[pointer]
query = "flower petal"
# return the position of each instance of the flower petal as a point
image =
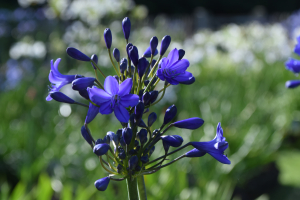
(180, 65)
(173, 56)
(163, 63)
(92, 113)
(125, 87)
(220, 157)
(183, 77)
(129, 100)
(106, 108)
(98, 96)
(111, 85)
(122, 114)
(160, 74)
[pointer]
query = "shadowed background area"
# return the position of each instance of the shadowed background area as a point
(236, 51)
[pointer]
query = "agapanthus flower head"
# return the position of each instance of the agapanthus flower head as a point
(57, 79)
(173, 70)
(165, 42)
(191, 123)
(114, 98)
(215, 147)
(126, 25)
(297, 47)
(76, 54)
(61, 97)
(101, 149)
(107, 37)
(102, 183)
(292, 83)
(293, 65)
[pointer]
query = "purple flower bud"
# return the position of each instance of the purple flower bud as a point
(106, 139)
(191, 123)
(127, 48)
(99, 141)
(146, 98)
(153, 95)
(95, 59)
(146, 82)
(189, 82)
(142, 124)
(101, 149)
(127, 135)
(142, 65)
(133, 162)
(288, 84)
(181, 53)
(126, 25)
(82, 83)
(151, 119)
(152, 63)
(123, 65)
(142, 135)
(166, 146)
(145, 159)
(84, 94)
(170, 114)
(134, 55)
(195, 153)
(102, 183)
(147, 53)
(61, 97)
(107, 38)
(92, 113)
(122, 154)
(165, 42)
(116, 54)
(111, 135)
(76, 54)
(85, 134)
(153, 45)
(151, 150)
(172, 140)
(139, 111)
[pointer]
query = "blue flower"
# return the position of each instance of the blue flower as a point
(215, 147)
(174, 70)
(297, 47)
(114, 98)
(293, 65)
(57, 79)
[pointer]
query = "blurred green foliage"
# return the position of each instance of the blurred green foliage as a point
(43, 155)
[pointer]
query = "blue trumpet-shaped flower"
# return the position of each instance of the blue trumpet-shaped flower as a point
(215, 147)
(102, 183)
(293, 65)
(57, 79)
(174, 70)
(114, 98)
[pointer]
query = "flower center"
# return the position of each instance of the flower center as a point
(115, 101)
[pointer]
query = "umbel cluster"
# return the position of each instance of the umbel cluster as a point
(130, 94)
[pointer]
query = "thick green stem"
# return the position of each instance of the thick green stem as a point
(142, 188)
(132, 189)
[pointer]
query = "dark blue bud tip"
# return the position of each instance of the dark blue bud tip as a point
(153, 44)
(181, 53)
(170, 114)
(165, 42)
(126, 25)
(102, 183)
(116, 54)
(76, 54)
(95, 59)
(107, 38)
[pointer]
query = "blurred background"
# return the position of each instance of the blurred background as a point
(237, 51)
